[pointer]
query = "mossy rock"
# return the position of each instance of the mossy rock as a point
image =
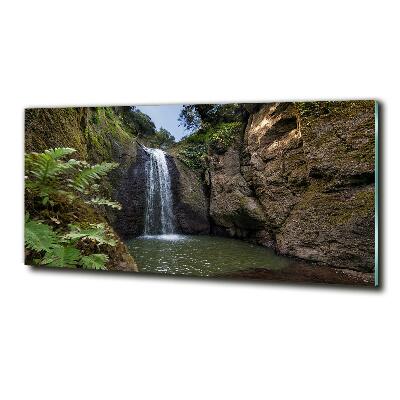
(338, 138)
(332, 228)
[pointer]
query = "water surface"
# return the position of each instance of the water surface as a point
(201, 255)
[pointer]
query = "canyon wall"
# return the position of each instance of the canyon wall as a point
(190, 199)
(301, 180)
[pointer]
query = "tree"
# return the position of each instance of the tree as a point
(197, 116)
(162, 139)
(140, 123)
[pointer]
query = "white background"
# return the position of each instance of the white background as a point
(87, 336)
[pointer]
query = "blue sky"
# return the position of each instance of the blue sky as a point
(166, 116)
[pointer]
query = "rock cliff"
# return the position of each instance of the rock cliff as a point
(301, 180)
(190, 200)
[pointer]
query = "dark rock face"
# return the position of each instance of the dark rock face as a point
(302, 181)
(234, 209)
(274, 161)
(333, 222)
(130, 190)
(333, 228)
(190, 201)
(129, 183)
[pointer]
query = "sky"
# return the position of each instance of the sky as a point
(166, 116)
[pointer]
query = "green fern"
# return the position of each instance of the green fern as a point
(89, 175)
(40, 237)
(59, 251)
(96, 233)
(106, 202)
(94, 261)
(49, 177)
(59, 152)
(47, 165)
(62, 257)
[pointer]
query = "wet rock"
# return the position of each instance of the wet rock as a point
(233, 207)
(190, 201)
(130, 190)
(301, 180)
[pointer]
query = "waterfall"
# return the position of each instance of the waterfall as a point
(159, 217)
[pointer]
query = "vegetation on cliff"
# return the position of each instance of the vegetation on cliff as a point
(52, 184)
(143, 128)
(99, 136)
(214, 128)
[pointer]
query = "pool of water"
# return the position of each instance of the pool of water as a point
(201, 255)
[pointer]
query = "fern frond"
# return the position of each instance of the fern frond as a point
(94, 261)
(90, 174)
(62, 257)
(96, 233)
(74, 163)
(43, 167)
(39, 236)
(59, 152)
(105, 202)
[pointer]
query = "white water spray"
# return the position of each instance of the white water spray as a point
(159, 217)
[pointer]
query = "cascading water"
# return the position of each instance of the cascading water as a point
(159, 217)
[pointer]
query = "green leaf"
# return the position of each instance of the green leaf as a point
(62, 257)
(59, 152)
(94, 261)
(39, 236)
(96, 233)
(106, 202)
(89, 175)
(45, 166)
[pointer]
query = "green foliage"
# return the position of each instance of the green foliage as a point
(61, 256)
(193, 149)
(195, 116)
(222, 136)
(57, 249)
(44, 169)
(49, 176)
(95, 233)
(94, 261)
(90, 174)
(39, 236)
(215, 127)
(190, 117)
(105, 202)
(161, 139)
(139, 123)
(193, 155)
(109, 112)
(95, 117)
(51, 180)
(198, 137)
(59, 152)
(317, 109)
